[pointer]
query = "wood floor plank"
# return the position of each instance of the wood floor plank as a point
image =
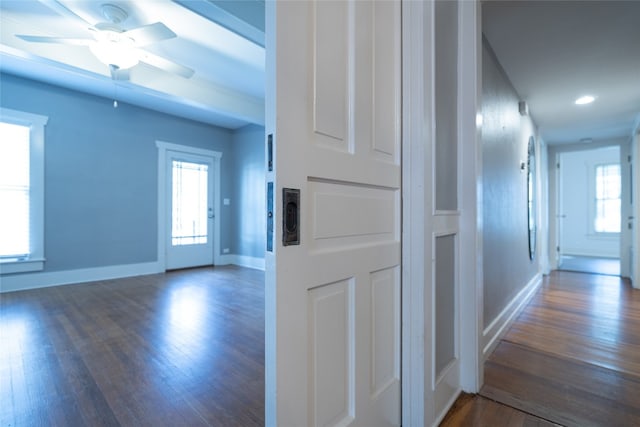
(478, 411)
(567, 392)
(573, 355)
(185, 348)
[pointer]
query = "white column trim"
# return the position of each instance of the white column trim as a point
(469, 131)
(413, 212)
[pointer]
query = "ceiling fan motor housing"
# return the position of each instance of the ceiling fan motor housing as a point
(114, 13)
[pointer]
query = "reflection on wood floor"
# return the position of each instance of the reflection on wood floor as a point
(184, 348)
(594, 265)
(573, 355)
(572, 358)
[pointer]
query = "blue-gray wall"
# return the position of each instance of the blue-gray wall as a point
(249, 224)
(101, 166)
(505, 135)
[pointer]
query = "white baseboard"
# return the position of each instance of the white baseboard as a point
(591, 254)
(45, 279)
(225, 260)
(243, 261)
(19, 282)
(492, 333)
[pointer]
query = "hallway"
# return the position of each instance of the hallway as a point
(573, 355)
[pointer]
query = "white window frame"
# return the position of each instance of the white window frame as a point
(594, 206)
(36, 123)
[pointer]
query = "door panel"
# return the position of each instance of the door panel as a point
(445, 215)
(333, 302)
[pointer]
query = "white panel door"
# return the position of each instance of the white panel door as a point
(333, 301)
(189, 228)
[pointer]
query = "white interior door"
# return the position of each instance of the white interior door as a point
(190, 210)
(333, 300)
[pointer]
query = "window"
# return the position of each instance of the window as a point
(21, 191)
(608, 204)
(190, 202)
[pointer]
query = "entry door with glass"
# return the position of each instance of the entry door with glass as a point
(190, 210)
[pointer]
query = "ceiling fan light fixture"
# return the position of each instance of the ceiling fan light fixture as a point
(583, 100)
(112, 49)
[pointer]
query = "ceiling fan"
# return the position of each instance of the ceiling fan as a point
(115, 47)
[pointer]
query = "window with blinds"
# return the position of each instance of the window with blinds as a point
(608, 202)
(14, 191)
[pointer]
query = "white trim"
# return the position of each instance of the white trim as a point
(248, 262)
(68, 277)
(470, 271)
(163, 148)
(188, 149)
(414, 153)
(10, 267)
(242, 261)
(635, 251)
(226, 259)
(499, 325)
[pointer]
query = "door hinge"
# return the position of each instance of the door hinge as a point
(558, 248)
(558, 165)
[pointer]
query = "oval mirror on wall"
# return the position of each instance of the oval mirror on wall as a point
(531, 196)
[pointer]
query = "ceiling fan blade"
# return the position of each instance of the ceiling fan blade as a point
(65, 11)
(165, 64)
(59, 40)
(148, 34)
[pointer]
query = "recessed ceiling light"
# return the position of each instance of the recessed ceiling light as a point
(587, 99)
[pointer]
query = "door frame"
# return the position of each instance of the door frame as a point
(635, 239)
(215, 156)
(417, 104)
(556, 159)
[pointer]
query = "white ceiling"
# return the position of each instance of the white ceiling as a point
(552, 51)
(556, 51)
(221, 40)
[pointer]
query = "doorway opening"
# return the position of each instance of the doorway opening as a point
(589, 210)
(188, 203)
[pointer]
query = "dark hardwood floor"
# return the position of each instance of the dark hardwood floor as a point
(572, 356)
(477, 411)
(185, 348)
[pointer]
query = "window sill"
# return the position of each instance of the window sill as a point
(11, 266)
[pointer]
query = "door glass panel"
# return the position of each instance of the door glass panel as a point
(189, 203)
(446, 106)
